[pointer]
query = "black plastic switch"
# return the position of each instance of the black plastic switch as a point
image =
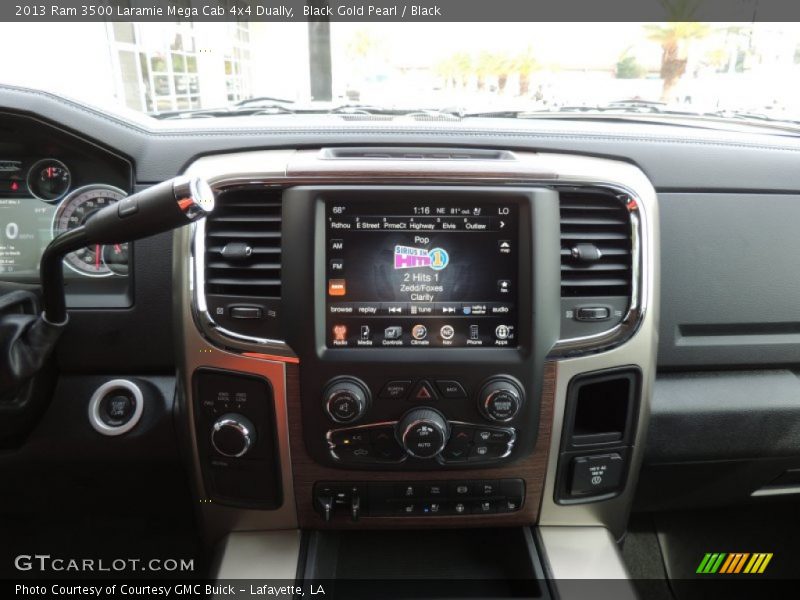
(595, 475)
(592, 313)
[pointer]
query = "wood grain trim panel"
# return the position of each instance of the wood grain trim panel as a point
(306, 472)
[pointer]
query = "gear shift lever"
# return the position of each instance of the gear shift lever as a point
(157, 209)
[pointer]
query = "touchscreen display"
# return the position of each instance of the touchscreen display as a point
(417, 274)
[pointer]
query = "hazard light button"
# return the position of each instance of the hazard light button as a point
(423, 392)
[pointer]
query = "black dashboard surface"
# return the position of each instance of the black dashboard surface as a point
(729, 321)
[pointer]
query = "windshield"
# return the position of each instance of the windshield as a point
(168, 69)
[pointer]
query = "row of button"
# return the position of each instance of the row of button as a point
(428, 498)
(423, 390)
(429, 309)
(378, 443)
(474, 507)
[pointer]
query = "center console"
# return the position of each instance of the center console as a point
(388, 338)
(429, 331)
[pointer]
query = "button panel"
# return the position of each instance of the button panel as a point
(379, 443)
(419, 498)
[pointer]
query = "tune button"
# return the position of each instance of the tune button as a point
(500, 399)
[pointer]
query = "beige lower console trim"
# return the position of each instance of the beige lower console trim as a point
(260, 555)
(575, 558)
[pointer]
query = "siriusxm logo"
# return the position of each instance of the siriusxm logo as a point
(411, 258)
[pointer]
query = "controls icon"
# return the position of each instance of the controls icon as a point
(447, 332)
(419, 332)
(395, 332)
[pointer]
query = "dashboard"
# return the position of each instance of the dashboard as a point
(50, 183)
(393, 326)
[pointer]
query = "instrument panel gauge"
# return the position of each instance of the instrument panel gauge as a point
(49, 179)
(96, 260)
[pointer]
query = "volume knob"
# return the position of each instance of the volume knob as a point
(346, 399)
(423, 432)
(233, 435)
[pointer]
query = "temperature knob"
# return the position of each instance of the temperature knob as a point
(423, 432)
(346, 399)
(500, 399)
(233, 435)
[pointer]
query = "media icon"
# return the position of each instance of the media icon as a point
(366, 334)
(447, 332)
(340, 333)
(419, 332)
(395, 332)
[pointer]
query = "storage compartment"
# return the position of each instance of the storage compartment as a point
(600, 408)
(497, 564)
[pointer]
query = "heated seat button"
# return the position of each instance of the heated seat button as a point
(395, 390)
(594, 475)
(451, 389)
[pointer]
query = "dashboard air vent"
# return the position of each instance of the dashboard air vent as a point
(243, 245)
(595, 244)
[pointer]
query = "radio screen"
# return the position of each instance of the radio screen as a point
(411, 274)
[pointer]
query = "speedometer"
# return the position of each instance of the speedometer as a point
(73, 212)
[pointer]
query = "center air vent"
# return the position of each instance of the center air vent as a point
(243, 245)
(595, 244)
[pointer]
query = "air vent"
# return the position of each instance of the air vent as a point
(595, 244)
(243, 245)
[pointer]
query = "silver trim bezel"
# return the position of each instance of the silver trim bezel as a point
(101, 426)
(314, 167)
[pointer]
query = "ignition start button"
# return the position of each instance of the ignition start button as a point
(116, 407)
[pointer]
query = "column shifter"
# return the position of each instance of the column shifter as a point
(157, 209)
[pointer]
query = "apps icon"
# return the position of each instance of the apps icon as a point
(502, 332)
(395, 332)
(447, 332)
(419, 332)
(340, 333)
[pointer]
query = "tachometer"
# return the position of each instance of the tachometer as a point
(49, 179)
(73, 212)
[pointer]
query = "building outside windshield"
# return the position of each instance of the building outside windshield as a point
(161, 68)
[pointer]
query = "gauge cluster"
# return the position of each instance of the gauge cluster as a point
(53, 182)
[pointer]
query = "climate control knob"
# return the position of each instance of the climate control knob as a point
(423, 432)
(500, 399)
(233, 435)
(346, 399)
